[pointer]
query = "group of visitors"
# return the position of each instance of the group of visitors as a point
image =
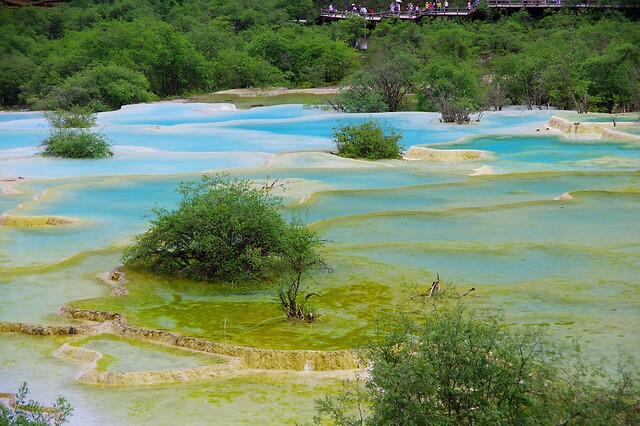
(358, 10)
(396, 8)
(428, 7)
(416, 10)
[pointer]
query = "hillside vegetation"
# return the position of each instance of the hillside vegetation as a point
(104, 54)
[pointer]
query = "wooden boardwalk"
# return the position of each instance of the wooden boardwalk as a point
(453, 11)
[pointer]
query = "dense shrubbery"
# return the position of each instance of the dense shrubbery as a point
(71, 143)
(382, 85)
(78, 118)
(99, 88)
(70, 137)
(222, 229)
(59, 58)
(368, 140)
(455, 366)
(226, 230)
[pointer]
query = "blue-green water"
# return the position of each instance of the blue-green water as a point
(549, 235)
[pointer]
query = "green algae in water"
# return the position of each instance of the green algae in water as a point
(350, 298)
(125, 355)
(244, 102)
(521, 243)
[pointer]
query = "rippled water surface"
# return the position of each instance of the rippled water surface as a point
(543, 227)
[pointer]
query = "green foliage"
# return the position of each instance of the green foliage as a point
(109, 53)
(239, 69)
(222, 229)
(382, 85)
(351, 30)
(368, 140)
(70, 137)
(300, 259)
(77, 118)
(456, 366)
(452, 88)
(361, 95)
(76, 144)
(15, 70)
(350, 407)
(23, 412)
(100, 88)
(304, 56)
(298, 9)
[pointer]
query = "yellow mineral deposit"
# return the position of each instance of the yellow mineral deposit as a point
(34, 221)
(450, 155)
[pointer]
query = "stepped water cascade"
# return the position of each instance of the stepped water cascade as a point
(536, 212)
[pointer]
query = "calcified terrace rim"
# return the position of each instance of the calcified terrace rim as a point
(604, 129)
(91, 375)
(241, 357)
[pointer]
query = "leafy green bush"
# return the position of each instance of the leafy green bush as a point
(362, 96)
(367, 140)
(100, 88)
(450, 88)
(74, 143)
(455, 366)
(70, 137)
(223, 229)
(77, 118)
(300, 258)
(382, 84)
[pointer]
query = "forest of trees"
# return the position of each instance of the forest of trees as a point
(102, 54)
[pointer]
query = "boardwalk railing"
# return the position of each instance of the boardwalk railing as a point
(461, 11)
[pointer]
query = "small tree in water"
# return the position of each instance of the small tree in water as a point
(71, 138)
(368, 140)
(301, 260)
(229, 231)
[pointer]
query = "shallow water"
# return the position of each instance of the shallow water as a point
(595, 117)
(122, 355)
(550, 236)
(254, 399)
